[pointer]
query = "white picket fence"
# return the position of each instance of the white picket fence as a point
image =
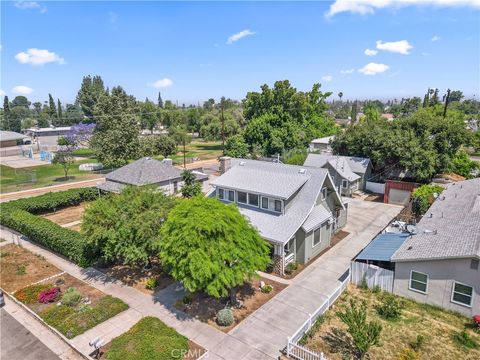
(373, 275)
(299, 352)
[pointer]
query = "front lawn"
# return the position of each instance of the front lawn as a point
(420, 332)
(150, 339)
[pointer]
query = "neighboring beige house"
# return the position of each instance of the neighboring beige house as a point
(348, 173)
(295, 208)
(321, 144)
(12, 138)
(147, 171)
(440, 265)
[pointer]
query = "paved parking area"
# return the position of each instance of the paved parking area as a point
(267, 329)
(19, 343)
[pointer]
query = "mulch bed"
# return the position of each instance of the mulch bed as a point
(205, 308)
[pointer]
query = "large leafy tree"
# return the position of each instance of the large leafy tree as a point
(124, 228)
(65, 158)
(191, 187)
(211, 247)
(235, 146)
(115, 138)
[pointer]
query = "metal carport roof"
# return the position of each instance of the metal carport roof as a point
(383, 247)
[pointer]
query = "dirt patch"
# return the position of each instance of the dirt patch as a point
(67, 215)
(374, 198)
(20, 268)
(137, 276)
(205, 308)
(434, 324)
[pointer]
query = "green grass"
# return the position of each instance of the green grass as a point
(203, 150)
(84, 152)
(45, 175)
(148, 339)
(72, 321)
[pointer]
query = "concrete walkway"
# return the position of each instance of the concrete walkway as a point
(267, 329)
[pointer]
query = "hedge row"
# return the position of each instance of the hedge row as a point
(18, 215)
(54, 200)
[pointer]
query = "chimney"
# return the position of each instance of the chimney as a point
(167, 161)
(225, 164)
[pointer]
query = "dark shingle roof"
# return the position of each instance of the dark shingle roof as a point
(144, 171)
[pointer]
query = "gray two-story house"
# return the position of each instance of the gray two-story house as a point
(295, 208)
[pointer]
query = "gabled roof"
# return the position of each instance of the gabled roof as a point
(11, 135)
(357, 164)
(279, 179)
(342, 167)
(383, 247)
(450, 228)
(319, 215)
(144, 171)
(258, 177)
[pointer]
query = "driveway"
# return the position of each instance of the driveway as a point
(267, 329)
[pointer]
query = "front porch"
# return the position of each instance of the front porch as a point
(282, 255)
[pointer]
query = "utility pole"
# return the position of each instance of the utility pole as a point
(446, 103)
(223, 124)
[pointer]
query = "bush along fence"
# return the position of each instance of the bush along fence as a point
(19, 215)
(294, 348)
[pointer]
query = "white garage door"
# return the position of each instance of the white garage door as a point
(398, 197)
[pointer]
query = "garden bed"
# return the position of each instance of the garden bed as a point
(435, 326)
(137, 276)
(19, 268)
(149, 339)
(67, 215)
(28, 275)
(205, 308)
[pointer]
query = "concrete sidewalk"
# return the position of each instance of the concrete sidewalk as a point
(267, 329)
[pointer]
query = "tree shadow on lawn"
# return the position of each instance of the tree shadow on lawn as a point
(63, 178)
(338, 341)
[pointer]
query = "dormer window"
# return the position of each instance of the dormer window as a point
(264, 202)
(278, 206)
(253, 199)
(242, 197)
(220, 193)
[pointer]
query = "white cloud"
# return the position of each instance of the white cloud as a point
(327, 78)
(239, 35)
(370, 52)
(162, 83)
(373, 69)
(28, 5)
(435, 38)
(399, 47)
(2, 93)
(364, 7)
(22, 90)
(347, 71)
(36, 56)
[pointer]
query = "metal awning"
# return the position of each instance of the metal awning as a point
(383, 247)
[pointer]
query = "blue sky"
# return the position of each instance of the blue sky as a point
(182, 48)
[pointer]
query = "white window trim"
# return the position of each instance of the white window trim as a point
(410, 282)
(324, 193)
(313, 237)
(344, 182)
(460, 303)
(261, 202)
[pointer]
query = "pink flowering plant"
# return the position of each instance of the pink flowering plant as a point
(49, 295)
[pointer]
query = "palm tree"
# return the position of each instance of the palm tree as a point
(340, 94)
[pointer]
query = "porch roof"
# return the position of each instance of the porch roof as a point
(319, 215)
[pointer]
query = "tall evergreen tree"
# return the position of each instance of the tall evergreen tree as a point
(115, 139)
(160, 100)
(52, 110)
(354, 112)
(61, 120)
(6, 114)
(91, 90)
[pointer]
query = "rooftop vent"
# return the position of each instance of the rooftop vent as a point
(242, 163)
(302, 171)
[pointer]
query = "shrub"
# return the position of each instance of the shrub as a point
(29, 294)
(266, 289)
(225, 317)
(71, 321)
(418, 344)
(291, 267)
(423, 198)
(71, 297)
(313, 330)
(364, 284)
(21, 269)
(376, 289)
(151, 283)
(49, 295)
(187, 299)
(390, 307)
(464, 339)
